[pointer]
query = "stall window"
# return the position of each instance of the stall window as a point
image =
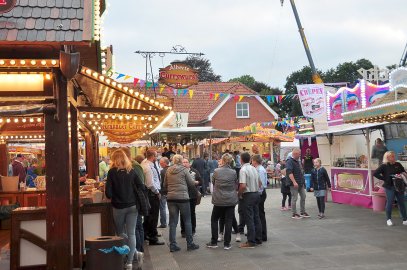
(242, 110)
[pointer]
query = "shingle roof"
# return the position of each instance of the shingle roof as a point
(200, 106)
(43, 21)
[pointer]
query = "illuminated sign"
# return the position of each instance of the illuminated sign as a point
(351, 181)
(21, 82)
(178, 75)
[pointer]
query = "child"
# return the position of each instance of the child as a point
(285, 190)
(319, 184)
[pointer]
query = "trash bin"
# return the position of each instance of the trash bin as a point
(307, 181)
(98, 256)
(378, 201)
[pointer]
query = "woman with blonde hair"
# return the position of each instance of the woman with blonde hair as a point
(387, 172)
(319, 184)
(177, 183)
(121, 181)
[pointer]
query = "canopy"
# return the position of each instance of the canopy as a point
(345, 129)
(262, 134)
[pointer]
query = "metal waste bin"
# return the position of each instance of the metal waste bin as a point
(98, 260)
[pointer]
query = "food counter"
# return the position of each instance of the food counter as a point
(33, 198)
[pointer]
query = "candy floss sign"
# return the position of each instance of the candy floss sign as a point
(312, 98)
(178, 75)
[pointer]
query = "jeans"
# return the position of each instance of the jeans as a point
(285, 195)
(234, 224)
(163, 210)
(294, 192)
(139, 234)
(391, 193)
(222, 211)
(262, 215)
(240, 210)
(251, 215)
(321, 204)
(126, 219)
(151, 221)
(174, 209)
(192, 204)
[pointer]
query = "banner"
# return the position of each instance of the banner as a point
(313, 99)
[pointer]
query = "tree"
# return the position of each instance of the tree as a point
(347, 72)
(247, 80)
(205, 71)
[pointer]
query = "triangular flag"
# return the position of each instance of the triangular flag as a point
(236, 97)
(142, 83)
(179, 92)
(169, 90)
(185, 91)
(210, 95)
(191, 93)
(155, 85)
(269, 99)
(221, 95)
(174, 91)
(135, 81)
(149, 84)
(240, 98)
(119, 76)
(216, 96)
(282, 97)
(127, 77)
(162, 87)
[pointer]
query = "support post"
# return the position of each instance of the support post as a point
(369, 163)
(271, 143)
(58, 181)
(91, 164)
(4, 161)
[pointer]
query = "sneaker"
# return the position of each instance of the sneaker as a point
(227, 247)
(175, 249)
(390, 223)
(247, 245)
(162, 226)
(129, 266)
(211, 245)
(289, 207)
(322, 216)
(305, 214)
(220, 237)
(140, 257)
(404, 222)
(296, 216)
(284, 208)
(192, 247)
(238, 238)
(259, 243)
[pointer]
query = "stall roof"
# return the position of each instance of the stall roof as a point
(345, 129)
(196, 132)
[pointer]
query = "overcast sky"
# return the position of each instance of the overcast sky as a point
(256, 37)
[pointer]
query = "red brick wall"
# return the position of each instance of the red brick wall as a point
(225, 118)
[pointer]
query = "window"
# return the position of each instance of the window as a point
(242, 110)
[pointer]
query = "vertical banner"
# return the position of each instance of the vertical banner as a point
(313, 99)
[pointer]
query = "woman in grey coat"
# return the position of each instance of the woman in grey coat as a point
(224, 200)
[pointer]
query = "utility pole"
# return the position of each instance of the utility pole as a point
(315, 76)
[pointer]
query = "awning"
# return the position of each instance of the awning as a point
(345, 129)
(392, 107)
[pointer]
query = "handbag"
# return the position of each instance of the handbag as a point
(399, 184)
(198, 197)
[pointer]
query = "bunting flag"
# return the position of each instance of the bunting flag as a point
(240, 98)
(135, 81)
(179, 92)
(211, 95)
(184, 92)
(149, 84)
(126, 77)
(191, 93)
(142, 83)
(174, 91)
(120, 76)
(169, 89)
(236, 98)
(268, 99)
(162, 87)
(216, 96)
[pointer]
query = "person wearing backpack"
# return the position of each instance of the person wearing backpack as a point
(387, 172)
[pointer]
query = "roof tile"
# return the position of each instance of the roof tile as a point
(69, 35)
(36, 12)
(45, 13)
(39, 24)
(22, 35)
(17, 12)
(11, 23)
(20, 24)
(23, 3)
(50, 35)
(51, 3)
(30, 23)
(3, 33)
(67, 3)
(33, 3)
(59, 3)
(32, 35)
(59, 36)
(41, 35)
(76, 3)
(27, 12)
(12, 35)
(49, 24)
(71, 13)
(42, 3)
(66, 24)
(58, 24)
(3, 24)
(75, 24)
(78, 35)
(54, 13)
(63, 13)
(8, 14)
(79, 13)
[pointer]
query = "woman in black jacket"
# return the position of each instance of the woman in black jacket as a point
(386, 172)
(319, 184)
(121, 180)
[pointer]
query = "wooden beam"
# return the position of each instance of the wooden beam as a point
(3, 159)
(91, 160)
(58, 178)
(122, 111)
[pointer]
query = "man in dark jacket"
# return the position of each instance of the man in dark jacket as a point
(164, 163)
(200, 165)
(192, 196)
(18, 168)
(296, 175)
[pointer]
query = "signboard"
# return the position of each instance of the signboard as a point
(178, 75)
(6, 5)
(22, 128)
(398, 78)
(350, 180)
(374, 74)
(312, 99)
(122, 131)
(21, 82)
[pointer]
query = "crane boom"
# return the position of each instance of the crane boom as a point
(315, 76)
(403, 59)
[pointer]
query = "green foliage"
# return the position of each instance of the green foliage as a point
(247, 80)
(206, 73)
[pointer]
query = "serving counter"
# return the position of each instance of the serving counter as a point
(33, 198)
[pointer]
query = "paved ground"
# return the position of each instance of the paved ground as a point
(349, 238)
